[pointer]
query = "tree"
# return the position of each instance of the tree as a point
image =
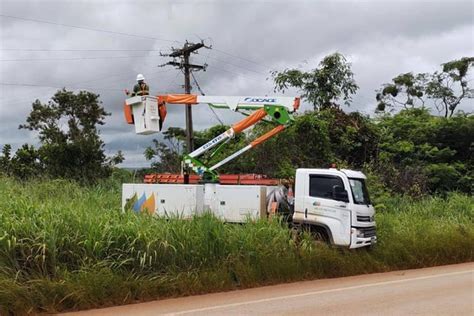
(166, 155)
(24, 165)
(5, 159)
(420, 152)
(446, 89)
(70, 143)
(449, 87)
(406, 90)
(323, 86)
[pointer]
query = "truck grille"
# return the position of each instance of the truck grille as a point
(362, 218)
(368, 231)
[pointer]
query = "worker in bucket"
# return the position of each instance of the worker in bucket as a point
(141, 88)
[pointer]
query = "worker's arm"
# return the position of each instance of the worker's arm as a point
(144, 89)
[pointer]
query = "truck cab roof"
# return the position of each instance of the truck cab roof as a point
(348, 172)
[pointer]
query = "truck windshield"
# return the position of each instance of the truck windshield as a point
(359, 191)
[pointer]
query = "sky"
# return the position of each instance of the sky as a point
(101, 46)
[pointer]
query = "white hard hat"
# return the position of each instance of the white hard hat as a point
(140, 77)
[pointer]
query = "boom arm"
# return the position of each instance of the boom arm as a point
(280, 110)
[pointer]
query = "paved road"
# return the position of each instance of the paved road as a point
(446, 290)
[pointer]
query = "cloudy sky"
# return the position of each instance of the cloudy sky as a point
(101, 46)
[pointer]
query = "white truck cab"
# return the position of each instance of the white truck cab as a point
(336, 201)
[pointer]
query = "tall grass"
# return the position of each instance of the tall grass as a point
(65, 247)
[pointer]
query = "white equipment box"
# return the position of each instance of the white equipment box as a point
(240, 203)
(231, 203)
(183, 200)
(145, 114)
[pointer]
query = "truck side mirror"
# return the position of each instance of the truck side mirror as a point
(339, 194)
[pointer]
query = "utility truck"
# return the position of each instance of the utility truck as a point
(330, 203)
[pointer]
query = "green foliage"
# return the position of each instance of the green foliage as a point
(422, 153)
(324, 86)
(25, 164)
(458, 68)
(5, 158)
(223, 150)
(63, 246)
(166, 155)
(75, 152)
(449, 87)
(315, 139)
(446, 88)
(406, 90)
(411, 152)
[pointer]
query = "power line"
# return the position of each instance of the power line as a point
(202, 93)
(235, 65)
(197, 84)
(230, 71)
(47, 86)
(87, 28)
(78, 50)
(242, 58)
(7, 100)
(124, 34)
(75, 58)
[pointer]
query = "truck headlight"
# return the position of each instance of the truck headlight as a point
(359, 233)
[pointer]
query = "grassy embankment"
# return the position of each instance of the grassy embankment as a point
(66, 247)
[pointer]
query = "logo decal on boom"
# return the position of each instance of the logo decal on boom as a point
(260, 100)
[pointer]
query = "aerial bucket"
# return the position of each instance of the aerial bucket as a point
(147, 113)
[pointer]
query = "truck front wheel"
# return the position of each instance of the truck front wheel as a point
(318, 233)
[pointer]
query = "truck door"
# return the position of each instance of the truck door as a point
(321, 207)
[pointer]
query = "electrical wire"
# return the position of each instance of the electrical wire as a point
(75, 58)
(78, 50)
(202, 93)
(9, 100)
(226, 62)
(48, 86)
(87, 28)
(230, 71)
(116, 57)
(125, 34)
(242, 58)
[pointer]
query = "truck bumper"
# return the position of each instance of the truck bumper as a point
(362, 237)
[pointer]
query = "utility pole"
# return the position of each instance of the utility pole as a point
(183, 54)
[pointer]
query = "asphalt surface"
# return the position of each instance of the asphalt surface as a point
(445, 290)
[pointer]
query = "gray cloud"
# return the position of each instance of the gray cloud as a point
(380, 38)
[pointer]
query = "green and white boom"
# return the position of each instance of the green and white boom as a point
(147, 113)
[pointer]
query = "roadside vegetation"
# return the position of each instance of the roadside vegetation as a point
(64, 246)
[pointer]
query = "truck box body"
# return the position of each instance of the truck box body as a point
(183, 200)
(239, 203)
(231, 203)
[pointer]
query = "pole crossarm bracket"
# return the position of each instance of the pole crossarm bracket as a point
(191, 66)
